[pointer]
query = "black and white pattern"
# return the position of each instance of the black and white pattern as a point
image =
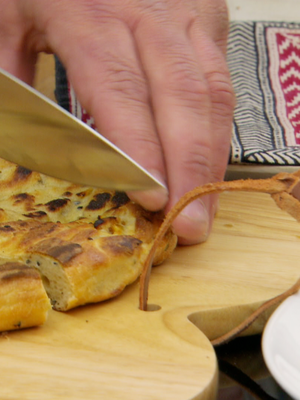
(258, 134)
(263, 131)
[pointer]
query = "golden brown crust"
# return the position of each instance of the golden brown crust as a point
(23, 300)
(95, 267)
(23, 197)
(15, 270)
(88, 244)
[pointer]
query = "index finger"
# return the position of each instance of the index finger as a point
(104, 70)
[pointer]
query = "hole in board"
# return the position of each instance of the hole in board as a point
(153, 307)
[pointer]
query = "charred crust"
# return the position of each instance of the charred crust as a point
(99, 201)
(129, 243)
(6, 228)
(21, 224)
(81, 194)
(35, 214)
(65, 252)
(55, 205)
(15, 270)
(59, 249)
(67, 194)
(44, 228)
(120, 199)
(22, 197)
(98, 222)
(16, 275)
(122, 244)
(21, 173)
(13, 265)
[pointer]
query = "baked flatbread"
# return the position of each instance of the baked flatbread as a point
(84, 244)
(23, 301)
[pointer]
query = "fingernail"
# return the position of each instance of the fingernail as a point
(154, 199)
(158, 176)
(192, 225)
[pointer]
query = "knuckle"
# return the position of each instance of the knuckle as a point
(221, 90)
(152, 8)
(184, 82)
(116, 73)
(196, 160)
(126, 80)
(147, 144)
(147, 141)
(213, 17)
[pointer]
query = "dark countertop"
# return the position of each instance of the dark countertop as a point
(243, 372)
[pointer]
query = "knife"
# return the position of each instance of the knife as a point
(38, 134)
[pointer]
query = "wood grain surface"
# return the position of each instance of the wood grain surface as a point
(114, 350)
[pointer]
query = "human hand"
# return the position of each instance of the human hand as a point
(153, 75)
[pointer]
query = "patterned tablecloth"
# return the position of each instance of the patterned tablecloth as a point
(264, 61)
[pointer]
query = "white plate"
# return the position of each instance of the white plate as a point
(281, 345)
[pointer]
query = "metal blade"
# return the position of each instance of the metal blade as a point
(38, 134)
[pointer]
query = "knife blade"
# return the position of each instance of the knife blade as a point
(38, 134)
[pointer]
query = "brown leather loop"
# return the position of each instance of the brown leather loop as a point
(282, 187)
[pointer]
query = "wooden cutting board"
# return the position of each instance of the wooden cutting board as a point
(115, 351)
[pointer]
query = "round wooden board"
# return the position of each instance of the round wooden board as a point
(115, 351)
